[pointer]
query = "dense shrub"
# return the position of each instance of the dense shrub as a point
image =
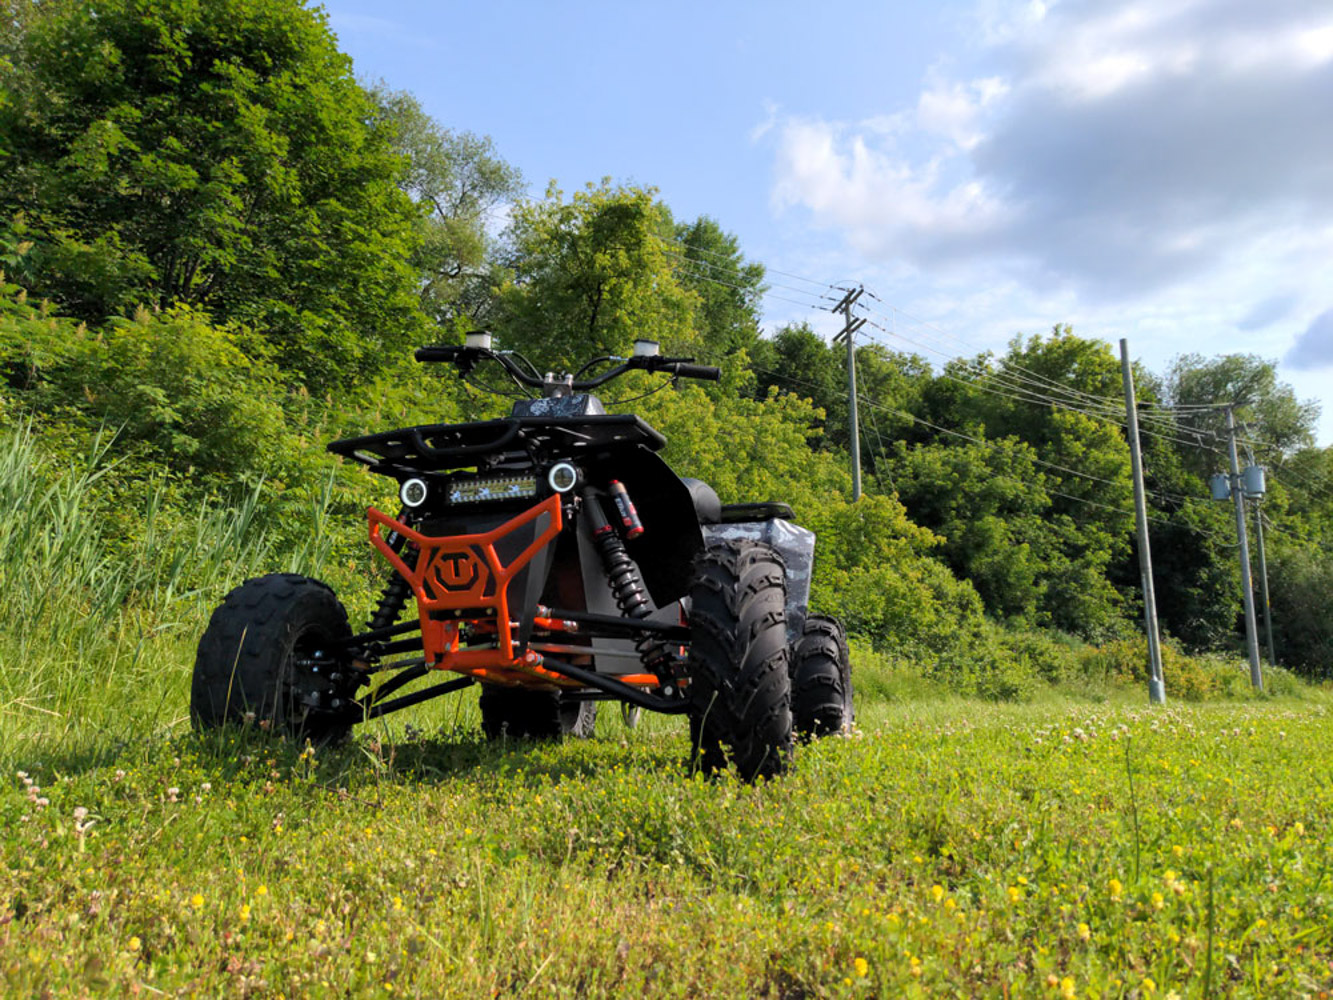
(1302, 594)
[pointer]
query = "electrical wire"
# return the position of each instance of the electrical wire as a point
(697, 262)
(875, 405)
(766, 267)
(807, 303)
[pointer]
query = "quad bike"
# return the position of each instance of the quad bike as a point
(557, 561)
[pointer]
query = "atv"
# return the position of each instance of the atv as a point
(557, 561)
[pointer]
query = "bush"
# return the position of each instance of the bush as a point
(1301, 585)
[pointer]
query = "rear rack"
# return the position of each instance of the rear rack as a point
(441, 447)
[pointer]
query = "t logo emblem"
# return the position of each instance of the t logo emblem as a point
(456, 571)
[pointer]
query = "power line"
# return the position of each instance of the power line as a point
(876, 405)
(696, 262)
(766, 267)
(1024, 385)
(1023, 394)
(807, 304)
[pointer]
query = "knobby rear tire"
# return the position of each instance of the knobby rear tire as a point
(821, 686)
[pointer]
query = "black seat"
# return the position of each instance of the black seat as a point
(707, 507)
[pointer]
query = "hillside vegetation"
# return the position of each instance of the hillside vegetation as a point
(218, 250)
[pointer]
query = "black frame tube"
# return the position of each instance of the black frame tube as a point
(417, 697)
(621, 691)
(377, 634)
(619, 626)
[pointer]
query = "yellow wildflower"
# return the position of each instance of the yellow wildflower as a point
(1084, 932)
(1115, 887)
(937, 892)
(1067, 988)
(134, 943)
(861, 966)
(197, 901)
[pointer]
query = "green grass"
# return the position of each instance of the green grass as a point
(945, 849)
(950, 847)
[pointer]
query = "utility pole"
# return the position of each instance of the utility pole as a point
(1156, 683)
(1255, 489)
(849, 328)
(1263, 579)
(1246, 582)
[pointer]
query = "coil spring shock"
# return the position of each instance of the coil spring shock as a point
(626, 584)
(396, 591)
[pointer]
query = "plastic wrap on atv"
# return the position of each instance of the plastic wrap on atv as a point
(795, 544)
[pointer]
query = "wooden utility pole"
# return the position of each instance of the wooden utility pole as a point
(849, 328)
(1156, 683)
(1246, 582)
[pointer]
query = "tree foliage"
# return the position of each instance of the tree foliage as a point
(217, 155)
(591, 274)
(459, 182)
(727, 287)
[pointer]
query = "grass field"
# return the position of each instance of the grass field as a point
(948, 848)
(1080, 845)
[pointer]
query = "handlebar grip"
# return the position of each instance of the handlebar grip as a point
(705, 372)
(427, 354)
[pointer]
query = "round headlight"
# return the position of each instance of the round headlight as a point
(413, 493)
(563, 477)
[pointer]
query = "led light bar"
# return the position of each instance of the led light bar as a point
(492, 488)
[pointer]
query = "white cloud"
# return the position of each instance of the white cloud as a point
(1165, 166)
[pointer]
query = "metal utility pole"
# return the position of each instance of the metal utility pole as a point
(1246, 582)
(1156, 683)
(849, 328)
(1263, 580)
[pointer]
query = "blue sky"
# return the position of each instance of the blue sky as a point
(1161, 170)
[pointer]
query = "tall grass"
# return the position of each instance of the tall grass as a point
(98, 622)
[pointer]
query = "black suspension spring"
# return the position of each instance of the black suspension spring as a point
(396, 591)
(626, 584)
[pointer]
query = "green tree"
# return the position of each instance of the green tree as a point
(798, 361)
(460, 182)
(213, 154)
(986, 500)
(728, 288)
(1301, 581)
(590, 275)
(1272, 419)
(1051, 394)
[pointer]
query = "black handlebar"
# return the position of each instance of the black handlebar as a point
(466, 359)
(427, 354)
(706, 372)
